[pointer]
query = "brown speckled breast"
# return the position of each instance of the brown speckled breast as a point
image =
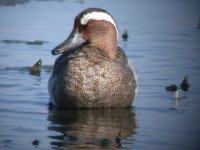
(87, 78)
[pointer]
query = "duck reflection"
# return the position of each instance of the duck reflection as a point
(95, 129)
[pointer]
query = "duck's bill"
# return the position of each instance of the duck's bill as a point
(74, 40)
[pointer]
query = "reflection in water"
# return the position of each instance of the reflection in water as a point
(93, 129)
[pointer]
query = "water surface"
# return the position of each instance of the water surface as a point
(164, 46)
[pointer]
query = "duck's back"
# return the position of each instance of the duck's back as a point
(88, 78)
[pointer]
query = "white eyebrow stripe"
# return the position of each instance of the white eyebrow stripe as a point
(98, 16)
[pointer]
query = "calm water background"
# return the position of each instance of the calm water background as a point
(164, 45)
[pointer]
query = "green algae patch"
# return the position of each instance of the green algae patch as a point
(36, 42)
(36, 68)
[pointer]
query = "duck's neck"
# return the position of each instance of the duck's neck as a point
(105, 39)
(108, 46)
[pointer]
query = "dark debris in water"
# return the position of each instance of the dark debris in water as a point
(12, 2)
(35, 142)
(184, 86)
(125, 35)
(173, 109)
(171, 88)
(36, 42)
(8, 141)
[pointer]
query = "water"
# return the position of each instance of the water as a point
(164, 45)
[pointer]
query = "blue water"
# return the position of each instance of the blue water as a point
(164, 46)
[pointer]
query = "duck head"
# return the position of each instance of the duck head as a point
(94, 27)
